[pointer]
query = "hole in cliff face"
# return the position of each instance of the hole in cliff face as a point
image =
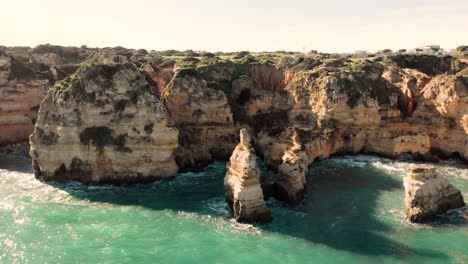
(406, 156)
(60, 171)
(243, 97)
(445, 155)
(457, 155)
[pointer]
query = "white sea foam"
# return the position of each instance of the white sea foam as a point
(244, 228)
(448, 168)
(27, 189)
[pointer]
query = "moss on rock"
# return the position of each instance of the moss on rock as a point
(99, 136)
(358, 85)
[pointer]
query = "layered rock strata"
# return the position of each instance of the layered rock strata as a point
(21, 90)
(104, 124)
(25, 76)
(428, 194)
(242, 184)
(204, 119)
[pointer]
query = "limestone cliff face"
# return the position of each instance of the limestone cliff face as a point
(242, 184)
(442, 116)
(360, 111)
(320, 107)
(204, 119)
(21, 90)
(428, 194)
(25, 76)
(104, 124)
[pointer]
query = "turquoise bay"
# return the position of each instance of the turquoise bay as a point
(353, 214)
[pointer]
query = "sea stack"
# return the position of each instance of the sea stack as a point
(104, 124)
(428, 194)
(242, 184)
(290, 185)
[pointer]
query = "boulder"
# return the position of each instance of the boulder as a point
(242, 184)
(428, 194)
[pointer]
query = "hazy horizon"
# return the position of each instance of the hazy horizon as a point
(331, 26)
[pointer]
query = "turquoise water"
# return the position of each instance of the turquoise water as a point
(353, 214)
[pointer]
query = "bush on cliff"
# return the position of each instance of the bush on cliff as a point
(429, 64)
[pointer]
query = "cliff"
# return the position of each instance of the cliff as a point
(298, 108)
(25, 76)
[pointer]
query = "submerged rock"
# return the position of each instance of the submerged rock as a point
(104, 124)
(242, 184)
(428, 194)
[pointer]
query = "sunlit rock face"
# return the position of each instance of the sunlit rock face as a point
(297, 112)
(362, 112)
(442, 114)
(204, 119)
(104, 124)
(21, 90)
(242, 184)
(428, 194)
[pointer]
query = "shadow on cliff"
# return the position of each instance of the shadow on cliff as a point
(16, 163)
(339, 211)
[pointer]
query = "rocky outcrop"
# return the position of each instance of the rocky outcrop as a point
(27, 73)
(104, 124)
(242, 184)
(428, 194)
(385, 106)
(290, 184)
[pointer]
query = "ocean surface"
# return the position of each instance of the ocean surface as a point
(353, 214)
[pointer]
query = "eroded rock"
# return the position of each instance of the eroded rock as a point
(290, 184)
(104, 124)
(242, 184)
(428, 194)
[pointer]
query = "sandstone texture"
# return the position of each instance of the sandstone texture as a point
(428, 194)
(104, 124)
(242, 184)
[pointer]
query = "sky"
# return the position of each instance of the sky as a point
(235, 25)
